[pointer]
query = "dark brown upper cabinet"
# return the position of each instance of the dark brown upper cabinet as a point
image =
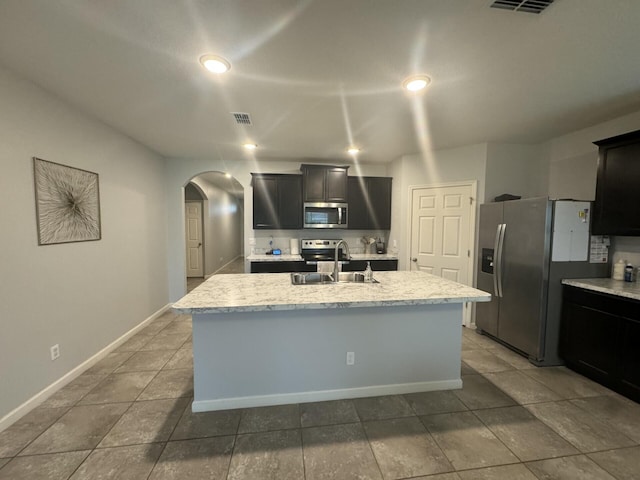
(369, 203)
(616, 210)
(277, 201)
(321, 183)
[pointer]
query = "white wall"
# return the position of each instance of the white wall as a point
(223, 219)
(81, 296)
(442, 166)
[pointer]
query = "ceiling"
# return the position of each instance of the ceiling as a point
(319, 75)
(223, 182)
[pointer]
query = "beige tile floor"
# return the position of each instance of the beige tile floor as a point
(129, 417)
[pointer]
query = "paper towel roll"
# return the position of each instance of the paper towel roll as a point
(295, 246)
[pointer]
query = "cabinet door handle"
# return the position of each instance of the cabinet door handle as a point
(414, 259)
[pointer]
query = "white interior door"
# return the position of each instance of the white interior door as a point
(193, 232)
(442, 226)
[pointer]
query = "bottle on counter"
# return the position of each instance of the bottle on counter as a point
(368, 273)
(618, 270)
(628, 273)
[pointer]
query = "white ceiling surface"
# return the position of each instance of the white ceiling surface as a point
(318, 75)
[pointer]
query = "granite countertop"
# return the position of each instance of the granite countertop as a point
(256, 292)
(274, 258)
(618, 288)
(297, 258)
(374, 256)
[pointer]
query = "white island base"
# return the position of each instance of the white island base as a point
(260, 358)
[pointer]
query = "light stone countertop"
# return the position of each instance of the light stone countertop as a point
(618, 288)
(297, 258)
(374, 256)
(255, 292)
(274, 258)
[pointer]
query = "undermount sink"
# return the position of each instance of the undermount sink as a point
(318, 278)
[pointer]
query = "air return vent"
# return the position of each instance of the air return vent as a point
(242, 118)
(529, 6)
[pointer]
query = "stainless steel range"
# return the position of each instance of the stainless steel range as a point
(314, 251)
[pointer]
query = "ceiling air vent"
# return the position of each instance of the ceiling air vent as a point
(242, 118)
(529, 6)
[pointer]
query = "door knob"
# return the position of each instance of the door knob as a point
(199, 245)
(414, 259)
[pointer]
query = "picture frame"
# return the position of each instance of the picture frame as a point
(67, 203)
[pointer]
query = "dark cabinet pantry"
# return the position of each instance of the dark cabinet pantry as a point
(616, 210)
(369, 203)
(324, 183)
(277, 201)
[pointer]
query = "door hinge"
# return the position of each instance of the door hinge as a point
(469, 253)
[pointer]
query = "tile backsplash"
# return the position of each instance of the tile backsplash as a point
(627, 249)
(281, 239)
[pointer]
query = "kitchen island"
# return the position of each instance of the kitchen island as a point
(259, 340)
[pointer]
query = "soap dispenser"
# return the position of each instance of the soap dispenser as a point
(368, 273)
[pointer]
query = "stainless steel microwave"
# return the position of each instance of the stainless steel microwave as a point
(325, 215)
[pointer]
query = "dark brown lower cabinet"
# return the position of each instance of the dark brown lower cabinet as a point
(376, 265)
(600, 338)
(352, 266)
(280, 267)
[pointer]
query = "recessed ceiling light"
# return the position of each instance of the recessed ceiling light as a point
(353, 150)
(250, 146)
(214, 63)
(416, 83)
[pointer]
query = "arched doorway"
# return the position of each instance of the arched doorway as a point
(214, 226)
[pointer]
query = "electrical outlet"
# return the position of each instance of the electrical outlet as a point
(351, 358)
(55, 352)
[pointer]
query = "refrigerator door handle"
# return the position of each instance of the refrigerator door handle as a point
(503, 229)
(496, 263)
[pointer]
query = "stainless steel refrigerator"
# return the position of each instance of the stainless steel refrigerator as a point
(526, 247)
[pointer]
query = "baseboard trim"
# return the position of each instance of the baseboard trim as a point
(45, 393)
(323, 395)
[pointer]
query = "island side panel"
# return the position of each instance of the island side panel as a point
(270, 358)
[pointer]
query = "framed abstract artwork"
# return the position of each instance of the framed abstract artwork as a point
(67, 203)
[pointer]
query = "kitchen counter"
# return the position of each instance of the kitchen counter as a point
(374, 256)
(298, 258)
(274, 258)
(255, 292)
(258, 340)
(617, 288)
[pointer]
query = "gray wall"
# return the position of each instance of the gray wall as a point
(516, 169)
(81, 296)
(223, 221)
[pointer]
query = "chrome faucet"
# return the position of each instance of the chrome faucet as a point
(336, 265)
